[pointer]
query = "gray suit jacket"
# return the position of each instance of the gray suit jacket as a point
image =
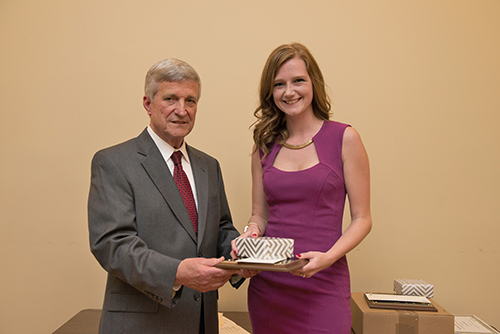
(140, 231)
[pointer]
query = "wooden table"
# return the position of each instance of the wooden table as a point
(84, 322)
(87, 322)
(242, 319)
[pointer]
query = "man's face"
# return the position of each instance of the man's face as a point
(173, 110)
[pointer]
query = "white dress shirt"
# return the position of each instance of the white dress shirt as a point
(166, 151)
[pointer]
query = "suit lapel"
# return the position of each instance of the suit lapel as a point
(201, 180)
(158, 171)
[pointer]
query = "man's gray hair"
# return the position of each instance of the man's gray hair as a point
(170, 70)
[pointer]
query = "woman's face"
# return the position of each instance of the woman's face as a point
(293, 89)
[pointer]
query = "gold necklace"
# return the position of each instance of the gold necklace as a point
(298, 147)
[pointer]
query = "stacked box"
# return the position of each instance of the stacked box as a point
(413, 287)
(265, 248)
(366, 320)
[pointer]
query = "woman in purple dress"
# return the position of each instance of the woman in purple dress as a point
(303, 166)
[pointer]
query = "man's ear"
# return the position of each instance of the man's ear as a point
(146, 102)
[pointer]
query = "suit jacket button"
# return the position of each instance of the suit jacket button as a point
(200, 255)
(196, 297)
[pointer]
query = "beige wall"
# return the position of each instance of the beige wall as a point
(420, 80)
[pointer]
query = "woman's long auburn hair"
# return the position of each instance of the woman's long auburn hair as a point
(271, 123)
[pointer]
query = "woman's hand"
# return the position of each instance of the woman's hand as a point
(253, 231)
(317, 262)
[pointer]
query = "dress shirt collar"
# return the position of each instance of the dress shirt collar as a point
(166, 149)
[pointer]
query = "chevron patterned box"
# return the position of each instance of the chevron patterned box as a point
(265, 248)
(413, 287)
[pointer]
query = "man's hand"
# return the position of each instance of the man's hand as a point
(200, 274)
(247, 273)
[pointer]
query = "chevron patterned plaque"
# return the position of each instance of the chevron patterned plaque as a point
(413, 287)
(265, 248)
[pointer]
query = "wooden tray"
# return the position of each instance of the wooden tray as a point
(397, 304)
(284, 266)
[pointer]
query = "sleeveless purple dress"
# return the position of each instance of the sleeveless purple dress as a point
(307, 206)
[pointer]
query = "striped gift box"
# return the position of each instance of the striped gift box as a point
(265, 248)
(413, 287)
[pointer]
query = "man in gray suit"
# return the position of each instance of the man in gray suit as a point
(159, 248)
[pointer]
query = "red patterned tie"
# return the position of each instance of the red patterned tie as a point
(182, 182)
